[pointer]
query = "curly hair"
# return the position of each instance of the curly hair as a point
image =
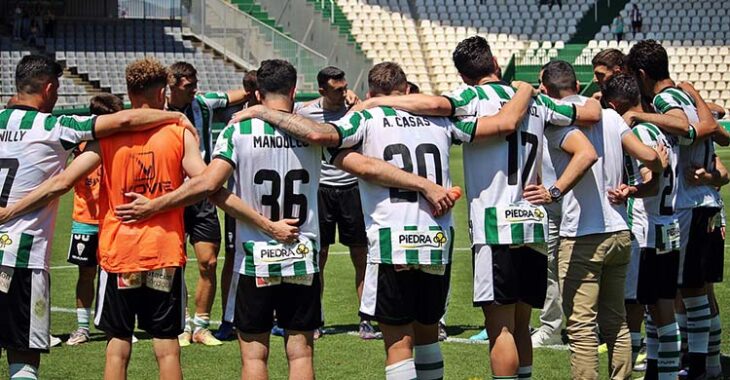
(473, 58)
(145, 74)
(650, 56)
(622, 89)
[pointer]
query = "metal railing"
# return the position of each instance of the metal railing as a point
(149, 9)
(246, 39)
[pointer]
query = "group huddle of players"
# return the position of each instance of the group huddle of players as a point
(544, 175)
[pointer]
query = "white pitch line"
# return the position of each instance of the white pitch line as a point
(193, 259)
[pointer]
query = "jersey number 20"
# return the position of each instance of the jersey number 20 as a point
(398, 195)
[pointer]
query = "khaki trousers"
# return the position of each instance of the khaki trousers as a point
(592, 272)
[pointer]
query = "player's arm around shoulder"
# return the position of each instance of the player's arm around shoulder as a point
(139, 119)
(417, 104)
(55, 186)
(655, 159)
(299, 127)
(583, 156)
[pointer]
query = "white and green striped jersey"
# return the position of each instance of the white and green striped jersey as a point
(278, 176)
(399, 223)
(649, 215)
(700, 153)
(200, 112)
(34, 146)
(491, 180)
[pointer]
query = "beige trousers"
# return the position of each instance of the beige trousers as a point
(592, 272)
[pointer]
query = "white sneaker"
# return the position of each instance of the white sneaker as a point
(542, 338)
(134, 339)
(55, 341)
(77, 337)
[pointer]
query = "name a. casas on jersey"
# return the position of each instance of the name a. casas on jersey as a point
(406, 121)
(12, 136)
(277, 142)
(421, 239)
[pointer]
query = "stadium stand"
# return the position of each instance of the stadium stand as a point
(101, 60)
(69, 92)
(694, 35)
(370, 22)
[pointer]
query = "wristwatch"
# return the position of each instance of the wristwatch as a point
(555, 194)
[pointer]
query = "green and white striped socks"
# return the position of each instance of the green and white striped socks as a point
(429, 362)
(669, 351)
(698, 332)
(525, 373)
(713, 349)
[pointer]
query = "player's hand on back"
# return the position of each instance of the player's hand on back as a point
(663, 154)
(698, 176)
(621, 195)
(284, 231)
(537, 195)
(363, 105)
(4, 214)
(441, 199)
(520, 84)
(246, 114)
(139, 209)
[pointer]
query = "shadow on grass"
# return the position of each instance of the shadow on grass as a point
(348, 328)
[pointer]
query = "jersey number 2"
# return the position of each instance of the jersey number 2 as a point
(290, 198)
(398, 195)
(11, 165)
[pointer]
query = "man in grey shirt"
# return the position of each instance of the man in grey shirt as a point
(339, 197)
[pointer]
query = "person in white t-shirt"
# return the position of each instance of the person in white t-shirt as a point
(595, 241)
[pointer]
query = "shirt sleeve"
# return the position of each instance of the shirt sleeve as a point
(352, 127)
(555, 136)
(665, 102)
(463, 129)
(215, 100)
(225, 147)
(72, 129)
(557, 112)
(463, 102)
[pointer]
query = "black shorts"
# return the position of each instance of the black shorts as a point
(297, 307)
(505, 276)
(398, 297)
(82, 249)
(201, 223)
(657, 276)
(25, 311)
(160, 314)
(229, 225)
(340, 207)
(697, 246)
(715, 257)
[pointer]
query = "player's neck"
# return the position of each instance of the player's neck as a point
(176, 103)
(565, 94)
(30, 100)
(636, 108)
(660, 85)
(279, 104)
(327, 105)
(489, 79)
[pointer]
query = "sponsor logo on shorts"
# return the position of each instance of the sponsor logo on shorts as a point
(422, 239)
(284, 253)
(521, 214)
(5, 241)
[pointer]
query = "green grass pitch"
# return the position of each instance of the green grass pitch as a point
(337, 356)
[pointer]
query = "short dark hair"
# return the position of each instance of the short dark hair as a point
(104, 104)
(145, 74)
(610, 58)
(34, 71)
(179, 70)
(650, 56)
(559, 76)
(386, 77)
(621, 88)
(413, 88)
(249, 81)
(473, 58)
(329, 72)
(276, 76)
